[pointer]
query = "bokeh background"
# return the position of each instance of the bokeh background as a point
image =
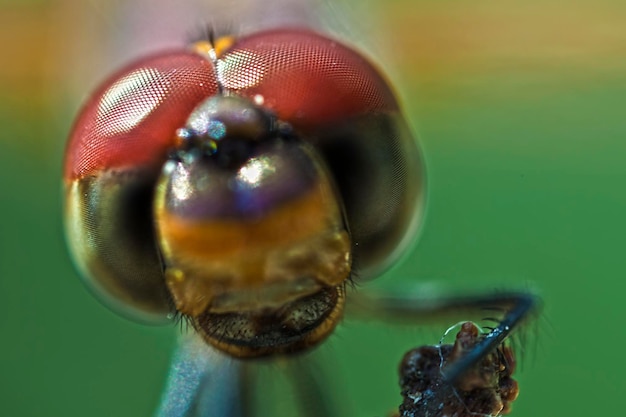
(520, 108)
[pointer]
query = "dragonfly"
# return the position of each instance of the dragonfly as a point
(245, 184)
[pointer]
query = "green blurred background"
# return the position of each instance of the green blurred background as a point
(519, 107)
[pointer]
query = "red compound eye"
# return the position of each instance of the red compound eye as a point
(131, 120)
(305, 78)
(115, 152)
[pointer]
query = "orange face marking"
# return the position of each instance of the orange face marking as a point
(216, 239)
(294, 250)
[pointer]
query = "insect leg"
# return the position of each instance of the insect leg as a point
(410, 306)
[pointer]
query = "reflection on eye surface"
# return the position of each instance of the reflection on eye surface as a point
(254, 171)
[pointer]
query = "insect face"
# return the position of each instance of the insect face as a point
(242, 183)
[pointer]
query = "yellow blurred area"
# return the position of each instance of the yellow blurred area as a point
(431, 39)
(442, 37)
(33, 40)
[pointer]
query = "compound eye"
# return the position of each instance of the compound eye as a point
(114, 155)
(308, 80)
